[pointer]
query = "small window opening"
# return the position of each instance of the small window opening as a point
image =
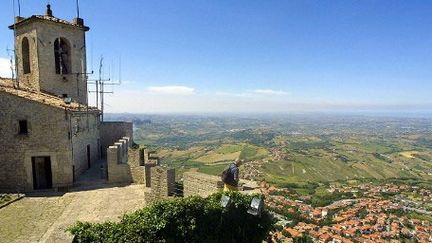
(25, 52)
(23, 127)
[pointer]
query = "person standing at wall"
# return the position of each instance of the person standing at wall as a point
(230, 176)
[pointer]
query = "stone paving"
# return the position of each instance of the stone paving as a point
(45, 218)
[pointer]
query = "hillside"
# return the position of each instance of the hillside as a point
(295, 149)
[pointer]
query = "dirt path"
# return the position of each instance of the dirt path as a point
(44, 219)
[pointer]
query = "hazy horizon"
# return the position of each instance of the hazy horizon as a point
(424, 115)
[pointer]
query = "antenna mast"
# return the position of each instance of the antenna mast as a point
(77, 8)
(19, 8)
(15, 68)
(100, 83)
(11, 54)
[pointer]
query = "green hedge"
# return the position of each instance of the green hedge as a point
(191, 219)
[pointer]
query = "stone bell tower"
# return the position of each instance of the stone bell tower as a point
(51, 55)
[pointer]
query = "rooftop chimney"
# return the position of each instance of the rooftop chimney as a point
(48, 11)
(78, 21)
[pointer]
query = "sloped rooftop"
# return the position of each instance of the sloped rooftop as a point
(6, 86)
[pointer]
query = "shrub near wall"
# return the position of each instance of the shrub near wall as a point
(191, 219)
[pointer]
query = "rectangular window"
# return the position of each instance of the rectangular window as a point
(23, 127)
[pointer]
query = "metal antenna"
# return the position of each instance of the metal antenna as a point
(100, 88)
(99, 83)
(120, 70)
(84, 74)
(77, 8)
(16, 83)
(11, 54)
(19, 8)
(110, 71)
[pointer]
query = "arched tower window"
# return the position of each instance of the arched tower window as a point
(25, 53)
(62, 53)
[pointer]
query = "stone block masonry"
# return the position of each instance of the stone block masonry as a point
(149, 160)
(162, 184)
(124, 163)
(43, 76)
(195, 183)
(61, 135)
(118, 168)
(136, 165)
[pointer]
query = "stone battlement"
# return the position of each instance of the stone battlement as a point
(162, 184)
(117, 162)
(195, 183)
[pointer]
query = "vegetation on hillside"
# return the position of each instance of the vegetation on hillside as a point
(191, 219)
(295, 148)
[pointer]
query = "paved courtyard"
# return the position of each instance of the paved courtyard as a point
(45, 218)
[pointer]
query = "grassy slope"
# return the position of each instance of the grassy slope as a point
(210, 161)
(312, 159)
(359, 161)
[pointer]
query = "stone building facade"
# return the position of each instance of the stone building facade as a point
(39, 130)
(49, 135)
(51, 55)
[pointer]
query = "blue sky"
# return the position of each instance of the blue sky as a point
(255, 56)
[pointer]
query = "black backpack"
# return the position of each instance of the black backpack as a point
(227, 176)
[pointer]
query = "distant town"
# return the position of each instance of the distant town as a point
(377, 213)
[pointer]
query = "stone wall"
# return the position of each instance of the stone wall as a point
(195, 183)
(30, 80)
(117, 162)
(147, 173)
(137, 168)
(48, 135)
(110, 132)
(43, 76)
(150, 160)
(85, 134)
(162, 184)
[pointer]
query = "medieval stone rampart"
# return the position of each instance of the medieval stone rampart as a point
(136, 165)
(162, 184)
(195, 183)
(117, 161)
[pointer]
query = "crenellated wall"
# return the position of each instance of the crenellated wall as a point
(125, 163)
(117, 161)
(162, 184)
(195, 183)
(136, 166)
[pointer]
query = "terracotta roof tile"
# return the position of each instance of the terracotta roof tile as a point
(44, 98)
